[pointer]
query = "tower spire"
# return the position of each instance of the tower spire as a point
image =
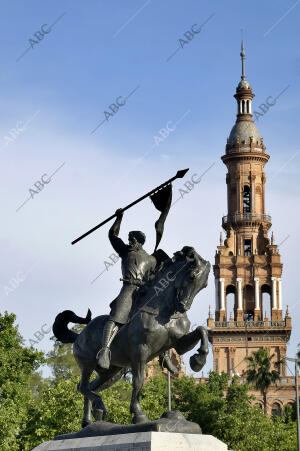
(243, 57)
(244, 93)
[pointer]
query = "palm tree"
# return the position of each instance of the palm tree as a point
(259, 374)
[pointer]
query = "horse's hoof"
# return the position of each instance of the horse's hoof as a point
(85, 423)
(197, 362)
(137, 419)
(98, 414)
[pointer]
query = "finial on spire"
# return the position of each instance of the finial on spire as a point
(243, 56)
(287, 313)
(209, 312)
(272, 238)
(221, 239)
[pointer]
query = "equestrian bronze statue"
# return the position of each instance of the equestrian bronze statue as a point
(147, 318)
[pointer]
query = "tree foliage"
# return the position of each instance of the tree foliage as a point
(34, 410)
(259, 372)
(60, 359)
(18, 365)
(229, 416)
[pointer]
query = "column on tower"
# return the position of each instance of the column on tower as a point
(279, 295)
(239, 306)
(274, 297)
(257, 309)
(222, 294)
(217, 294)
(239, 294)
(257, 303)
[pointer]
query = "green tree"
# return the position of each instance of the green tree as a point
(61, 360)
(245, 428)
(34, 409)
(154, 399)
(18, 365)
(290, 411)
(259, 372)
(59, 408)
(225, 412)
(201, 403)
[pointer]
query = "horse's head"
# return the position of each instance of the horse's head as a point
(190, 277)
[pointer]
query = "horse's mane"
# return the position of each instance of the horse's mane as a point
(155, 296)
(151, 296)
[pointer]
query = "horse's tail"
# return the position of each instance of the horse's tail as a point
(60, 325)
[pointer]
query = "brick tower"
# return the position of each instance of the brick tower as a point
(247, 265)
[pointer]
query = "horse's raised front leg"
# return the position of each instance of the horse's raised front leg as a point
(138, 368)
(189, 341)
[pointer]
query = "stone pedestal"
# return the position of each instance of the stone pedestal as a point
(138, 441)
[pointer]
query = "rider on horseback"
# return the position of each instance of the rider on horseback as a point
(136, 268)
(137, 265)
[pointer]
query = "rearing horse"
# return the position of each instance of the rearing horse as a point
(158, 322)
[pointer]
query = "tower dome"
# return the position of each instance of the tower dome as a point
(243, 132)
(243, 84)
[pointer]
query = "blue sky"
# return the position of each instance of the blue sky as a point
(54, 96)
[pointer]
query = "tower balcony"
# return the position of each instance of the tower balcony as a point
(250, 324)
(235, 331)
(246, 218)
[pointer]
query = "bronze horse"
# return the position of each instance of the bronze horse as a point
(158, 322)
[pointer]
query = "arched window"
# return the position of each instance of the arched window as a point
(247, 248)
(246, 199)
(266, 300)
(276, 409)
(249, 302)
(230, 300)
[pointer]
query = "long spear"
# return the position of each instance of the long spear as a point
(179, 175)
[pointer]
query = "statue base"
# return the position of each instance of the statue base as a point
(138, 441)
(171, 421)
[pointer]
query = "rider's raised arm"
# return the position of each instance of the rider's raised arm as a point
(116, 242)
